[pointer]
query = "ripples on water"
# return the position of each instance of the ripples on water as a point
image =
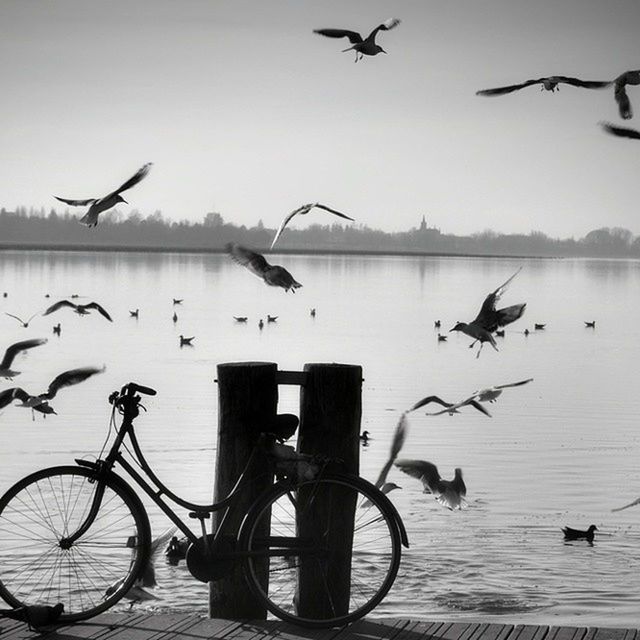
(562, 450)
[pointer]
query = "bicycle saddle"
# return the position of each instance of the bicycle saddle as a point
(282, 426)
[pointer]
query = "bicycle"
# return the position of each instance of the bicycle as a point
(79, 534)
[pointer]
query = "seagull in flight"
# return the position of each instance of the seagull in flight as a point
(620, 92)
(24, 323)
(621, 132)
(626, 506)
(13, 351)
(362, 47)
(399, 437)
(450, 407)
(449, 493)
(80, 309)
(490, 318)
(273, 275)
(98, 205)
(549, 84)
(304, 209)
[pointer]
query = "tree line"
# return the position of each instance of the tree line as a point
(33, 228)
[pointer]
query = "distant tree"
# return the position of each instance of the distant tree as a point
(213, 219)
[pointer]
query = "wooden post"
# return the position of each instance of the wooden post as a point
(247, 396)
(330, 414)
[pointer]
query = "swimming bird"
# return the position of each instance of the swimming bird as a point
(620, 92)
(5, 295)
(13, 351)
(24, 323)
(135, 314)
(57, 329)
(397, 442)
(490, 318)
(273, 275)
(178, 300)
(304, 209)
(312, 312)
(500, 333)
(437, 324)
(577, 534)
(621, 132)
(175, 317)
(240, 318)
(549, 83)
(364, 437)
(271, 318)
(526, 332)
(177, 549)
(98, 205)
(186, 342)
(590, 324)
(442, 338)
(539, 327)
(37, 616)
(449, 493)
(450, 407)
(261, 324)
(80, 309)
(147, 576)
(362, 47)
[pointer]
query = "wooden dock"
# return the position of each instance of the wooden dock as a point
(140, 626)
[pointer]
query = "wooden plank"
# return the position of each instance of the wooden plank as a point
(291, 377)
(418, 630)
(492, 631)
(597, 633)
(198, 628)
(370, 629)
(149, 627)
(529, 632)
(566, 633)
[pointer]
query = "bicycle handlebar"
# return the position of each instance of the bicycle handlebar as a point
(133, 388)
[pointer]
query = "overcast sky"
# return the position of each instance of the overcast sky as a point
(244, 110)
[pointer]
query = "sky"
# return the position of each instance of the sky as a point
(245, 111)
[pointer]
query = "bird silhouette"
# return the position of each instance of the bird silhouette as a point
(437, 324)
(98, 205)
(577, 534)
(135, 314)
(490, 318)
(13, 351)
(626, 506)
(240, 318)
(80, 309)
(260, 324)
(273, 275)
(24, 323)
(147, 576)
(442, 338)
(37, 616)
(591, 324)
(303, 210)
(397, 442)
(186, 342)
(27, 400)
(449, 493)
(362, 47)
(539, 327)
(178, 300)
(449, 407)
(312, 312)
(175, 317)
(57, 329)
(620, 92)
(364, 437)
(549, 83)
(177, 549)
(621, 132)
(500, 333)
(271, 318)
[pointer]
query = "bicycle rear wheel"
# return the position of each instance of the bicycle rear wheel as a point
(332, 553)
(94, 572)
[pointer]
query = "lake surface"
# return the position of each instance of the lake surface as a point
(562, 450)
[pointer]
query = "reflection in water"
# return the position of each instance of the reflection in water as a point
(562, 450)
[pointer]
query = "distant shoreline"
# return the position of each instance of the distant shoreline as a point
(203, 250)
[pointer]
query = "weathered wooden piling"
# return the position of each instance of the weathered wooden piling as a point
(247, 397)
(330, 414)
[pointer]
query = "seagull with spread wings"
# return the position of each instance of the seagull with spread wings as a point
(549, 83)
(490, 318)
(362, 47)
(620, 92)
(80, 309)
(24, 323)
(449, 493)
(449, 407)
(621, 132)
(98, 205)
(273, 275)
(304, 209)
(13, 351)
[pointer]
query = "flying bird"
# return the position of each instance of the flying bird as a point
(273, 275)
(98, 205)
(303, 210)
(620, 92)
(577, 534)
(37, 616)
(490, 318)
(13, 351)
(24, 323)
(621, 132)
(626, 506)
(362, 47)
(399, 437)
(550, 84)
(490, 394)
(28, 401)
(449, 407)
(449, 493)
(80, 309)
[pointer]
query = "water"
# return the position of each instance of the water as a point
(562, 450)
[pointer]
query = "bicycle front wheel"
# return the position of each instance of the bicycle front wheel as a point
(88, 576)
(323, 553)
